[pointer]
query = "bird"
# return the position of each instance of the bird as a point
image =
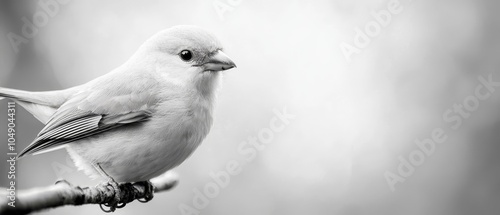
(139, 120)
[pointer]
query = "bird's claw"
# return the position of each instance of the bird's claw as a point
(116, 203)
(111, 207)
(62, 181)
(148, 193)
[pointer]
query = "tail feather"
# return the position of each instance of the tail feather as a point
(8, 93)
(41, 104)
(27, 96)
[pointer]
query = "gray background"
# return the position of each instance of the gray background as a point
(353, 119)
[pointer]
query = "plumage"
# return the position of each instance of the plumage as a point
(141, 119)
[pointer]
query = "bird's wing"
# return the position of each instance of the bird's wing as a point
(90, 113)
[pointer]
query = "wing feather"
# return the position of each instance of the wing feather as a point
(81, 117)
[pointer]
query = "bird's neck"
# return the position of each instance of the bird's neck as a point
(207, 84)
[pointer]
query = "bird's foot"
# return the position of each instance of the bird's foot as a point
(121, 199)
(116, 202)
(148, 192)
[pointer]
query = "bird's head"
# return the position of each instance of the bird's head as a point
(186, 55)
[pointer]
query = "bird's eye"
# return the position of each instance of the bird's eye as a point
(186, 55)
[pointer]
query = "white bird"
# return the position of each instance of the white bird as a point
(139, 120)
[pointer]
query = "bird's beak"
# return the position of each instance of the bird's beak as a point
(217, 62)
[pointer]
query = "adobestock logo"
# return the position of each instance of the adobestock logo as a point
(61, 169)
(223, 6)
(363, 36)
(31, 27)
(248, 150)
(456, 116)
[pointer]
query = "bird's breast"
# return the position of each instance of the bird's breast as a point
(177, 134)
(189, 123)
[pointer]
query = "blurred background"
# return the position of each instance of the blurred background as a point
(353, 118)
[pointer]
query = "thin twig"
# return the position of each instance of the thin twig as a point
(63, 193)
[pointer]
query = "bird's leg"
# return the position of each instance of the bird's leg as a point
(148, 193)
(116, 187)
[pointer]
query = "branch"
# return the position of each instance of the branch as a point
(62, 193)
